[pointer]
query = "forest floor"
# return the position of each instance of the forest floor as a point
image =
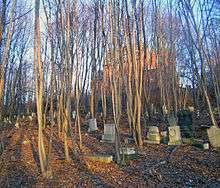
(155, 165)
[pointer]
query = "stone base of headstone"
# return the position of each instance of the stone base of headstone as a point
(100, 158)
(174, 143)
(214, 136)
(92, 125)
(109, 133)
(174, 135)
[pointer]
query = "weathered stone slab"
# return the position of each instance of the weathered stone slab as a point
(214, 136)
(174, 135)
(128, 151)
(153, 135)
(100, 158)
(109, 133)
(92, 125)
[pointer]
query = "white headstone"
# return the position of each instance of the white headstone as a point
(88, 115)
(30, 118)
(191, 108)
(74, 114)
(92, 125)
(206, 146)
(174, 135)
(164, 108)
(109, 133)
(17, 125)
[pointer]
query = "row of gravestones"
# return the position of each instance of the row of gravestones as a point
(154, 136)
(109, 137)
(109, 130)
(173, 136)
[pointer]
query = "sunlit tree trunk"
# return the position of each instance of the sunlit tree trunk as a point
(39, 78)
(4, 59)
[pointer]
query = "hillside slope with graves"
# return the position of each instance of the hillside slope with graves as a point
(185, 163)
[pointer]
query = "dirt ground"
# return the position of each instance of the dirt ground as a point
(154, 166)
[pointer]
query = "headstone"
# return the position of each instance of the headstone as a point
(33, 114)
(197, 113)
(153, 135)
(17, 124)
(109, 133)
(174, 135)
(13, 158)
(206, 146)
(165, 111)
(164, 137)
(30, 118)
(191, 108)
(185, 122)
(131, 141)
(88, 115)
(101, 158)
(74, 114)
(214, 136)
(92, 125)
(215, 111)
(5, 120)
